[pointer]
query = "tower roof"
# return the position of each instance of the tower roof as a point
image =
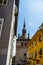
(23, 36)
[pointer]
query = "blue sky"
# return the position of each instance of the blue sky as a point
(32, 12)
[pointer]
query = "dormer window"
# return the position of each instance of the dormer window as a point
(35, 42)
(40, 52)
(40, 38)
(1, 25)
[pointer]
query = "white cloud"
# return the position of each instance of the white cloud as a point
(30, 23)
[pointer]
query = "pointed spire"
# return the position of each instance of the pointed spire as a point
(24, 30)
(24, 23)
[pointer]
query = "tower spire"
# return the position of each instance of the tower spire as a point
(24, 30)
(24, 23)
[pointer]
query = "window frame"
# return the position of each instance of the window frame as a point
(1, 25)
(36, 54)
(40, 52)
(35, 42)
(3, 3)
(40, 38)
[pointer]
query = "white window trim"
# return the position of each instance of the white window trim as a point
(16, 10)
(1, 25)
(3, 3)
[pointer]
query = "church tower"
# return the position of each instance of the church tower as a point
(21, 46)
(24, 36)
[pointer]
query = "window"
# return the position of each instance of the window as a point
(1, 25)
(32, 54)
(32, 45)
(40, 38)
(18, 64)
(24, 54)
(3, 2)
(35, 54)
(34, 63)
(35, 42)
(40, 52)
(21, 44)
(25, 44)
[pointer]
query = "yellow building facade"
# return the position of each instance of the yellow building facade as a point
(35, 48)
